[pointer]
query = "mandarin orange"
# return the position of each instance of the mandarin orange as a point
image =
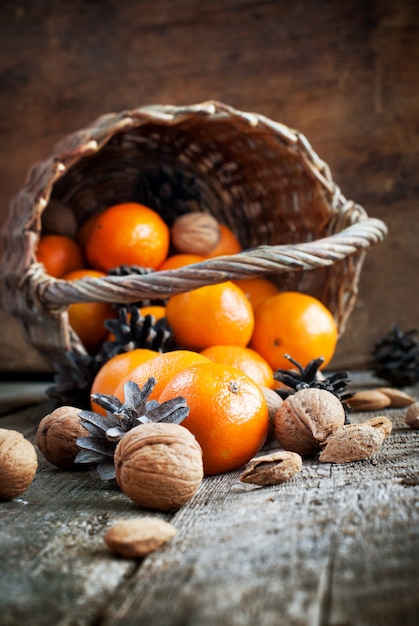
(180, 260)
(246, 360)
(88, 318)
(210, 315)
(228, 244)
(296, 324)
(59, 254)
(162, 368)
(257, 289)
(115, 369)
(130, 234)
(228, 413)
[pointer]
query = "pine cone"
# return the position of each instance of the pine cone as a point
(395, 357)
(131, 331)
(307, 377)
(98, 448)
(169, 191)
(73, 379)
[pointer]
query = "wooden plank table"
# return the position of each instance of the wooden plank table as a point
(336, 545)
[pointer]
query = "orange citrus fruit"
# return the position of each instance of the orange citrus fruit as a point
(296, 324)
(210, 315)
(117, 368)
(155, 310)
(257, 289)
(228, 244)
(130, 234)
(244, 359)
(162, 368)
(180, 260)
(228, 413)
(59, 254)
(85, 229)
(88, 318)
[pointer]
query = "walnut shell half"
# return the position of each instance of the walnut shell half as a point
(306, 418)
(159, 465)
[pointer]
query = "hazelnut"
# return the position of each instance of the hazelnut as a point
(195, 233)
(18, 464)
(57, 434)
(159, 465)
(352, 442)
(135, 538)
(412, 416)
(306, 418)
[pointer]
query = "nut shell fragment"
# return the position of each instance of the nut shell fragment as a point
(412, 416)
(353, 442)
(138, 537)
(272, 469)
(382, 423)
(306, 418)
(159, 465)
(18, 464)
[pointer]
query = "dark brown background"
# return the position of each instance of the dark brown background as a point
(345, 73)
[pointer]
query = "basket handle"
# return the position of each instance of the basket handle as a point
(57, 294)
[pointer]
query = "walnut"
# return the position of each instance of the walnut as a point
(18, 464)
(59, 219)
(274, 401)
(306, 418)
(57, 434)
(135, 538)
(195, 233)
(412, 416)
(352, 442)
(159, 465)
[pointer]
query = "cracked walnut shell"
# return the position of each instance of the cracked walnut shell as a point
(159, 465)
(306, 418)
(352, 442)
(18, 464)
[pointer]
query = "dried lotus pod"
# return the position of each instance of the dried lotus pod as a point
(159, 465)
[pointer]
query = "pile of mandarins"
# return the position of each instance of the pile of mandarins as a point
(234, 335)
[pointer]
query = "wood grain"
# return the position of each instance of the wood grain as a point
(343, 73)
(336, 545)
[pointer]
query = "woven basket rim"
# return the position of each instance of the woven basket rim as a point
(45, 293)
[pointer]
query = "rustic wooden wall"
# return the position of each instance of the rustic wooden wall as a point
(343, 73)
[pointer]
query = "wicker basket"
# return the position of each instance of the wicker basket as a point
(259, 177)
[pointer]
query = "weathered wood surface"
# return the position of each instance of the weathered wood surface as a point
(342, 73)
(336, 545)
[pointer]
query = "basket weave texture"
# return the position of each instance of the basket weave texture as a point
(257, 176)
